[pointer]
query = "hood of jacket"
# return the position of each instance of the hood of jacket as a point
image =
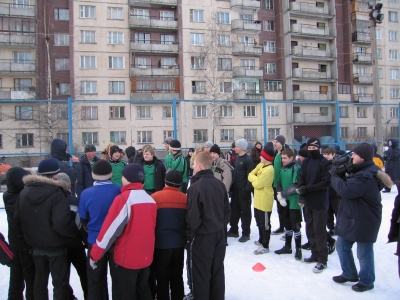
(14, 180)
(395, 143)
(39, 188)
(130, 151)
(58, 150)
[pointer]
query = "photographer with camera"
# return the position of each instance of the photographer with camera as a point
(359, 216)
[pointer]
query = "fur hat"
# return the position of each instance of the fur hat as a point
(208, 144)
(114, 149)
(90, 148)
(174, 178)
(365, 151)
(133, 173)
(215, 148)
(64, 177)
(242, 144)
(175, 145)
(48, 166)
(314, 142)
(101, 170)
(281, 139)
(268, 153)
(168, 140)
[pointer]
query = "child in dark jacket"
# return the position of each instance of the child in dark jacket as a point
(154, 170)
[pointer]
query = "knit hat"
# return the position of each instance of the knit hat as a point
(48, 166)
(314, 142)
(215, 148)
(208, 144)
(303, 152)
(64, 177)
(268, 153)
(191, 150)
(365, 151)
(233, 145)
(242, 144)
(281, 139)
(14, 179)
(175, 145)
(174, 178)
(90, 148)
(101, 170)
(133, 173)
(114, 149)
(168, 140)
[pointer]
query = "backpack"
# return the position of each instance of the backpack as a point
(221, 171)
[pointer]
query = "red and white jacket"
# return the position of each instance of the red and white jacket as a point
(130, 223)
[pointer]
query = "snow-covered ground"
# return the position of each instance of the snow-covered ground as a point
(284, 277)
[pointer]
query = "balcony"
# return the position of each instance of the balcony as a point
(311, 118)
(361, 37)
(20, 10)
(245, 5)
(246, 26)
(8, 38)
(248, 95)
(309, 10)
(367, 98)
(362, 58)
(359, 15)
(311, 53)
(246, 49)
(310, 31)
(246, 72)
(155, 70)
(12, 94)
(142, 94)
(154, 46)
(362, 78)
(154, 3)
(137, 21)
(311, 96)
(17, 66)
(311, 74)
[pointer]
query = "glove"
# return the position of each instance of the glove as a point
(301, 190)
(279, 196)
(92, 263)
(282, 202)
(333, 171)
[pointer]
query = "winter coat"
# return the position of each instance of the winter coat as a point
(130, 154)
(277, 167)
(255, 155)
(243, 166)
(261, 178)
(83, 171)
(44, 214)
(360, 210)
(178, 162)
(378, 160)
(231, 157)
(189, 169)
(58, 151)
(159, 173)
(394, 231)
(392, 167)
(287, 183)
(223, 172)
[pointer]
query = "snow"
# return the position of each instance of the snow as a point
(284, 277)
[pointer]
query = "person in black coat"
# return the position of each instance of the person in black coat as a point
(22, 269)
(154, 170)
(255, 153)
(394, 232)
(83, 169)
(130, 154)
(392, 166)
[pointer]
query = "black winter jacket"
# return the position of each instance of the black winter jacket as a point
(83, 172)
(159, 173)
(392, 167)
(58, 151)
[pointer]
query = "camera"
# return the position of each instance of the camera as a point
(343, 164)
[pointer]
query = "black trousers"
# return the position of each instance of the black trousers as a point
(279, 209)
(316, 234)
(77, 257)
(57, 266)
(263, 220)
(168, 266)
(206, 261)
(133, 284)
(332, 212)
(240, 209)
(22, 276)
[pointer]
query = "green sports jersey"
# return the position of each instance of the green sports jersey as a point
(277, 167)
(287, 177)
(117, 168)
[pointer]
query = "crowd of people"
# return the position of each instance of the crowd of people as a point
(137, 217)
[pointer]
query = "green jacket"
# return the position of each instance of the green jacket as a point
(287, 182)
(117, 167)
(277, 167)
(179, 163)
(168, 161)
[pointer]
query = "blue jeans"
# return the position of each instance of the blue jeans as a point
(365, 255)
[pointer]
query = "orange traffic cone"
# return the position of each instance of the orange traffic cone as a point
(258, 267)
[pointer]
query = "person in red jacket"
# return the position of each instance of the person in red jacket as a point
(130, 225)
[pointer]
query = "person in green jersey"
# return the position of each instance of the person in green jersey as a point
(117, 165)
(279, 145)
(178, 162)
(154, 170)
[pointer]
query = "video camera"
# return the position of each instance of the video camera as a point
(343, 164)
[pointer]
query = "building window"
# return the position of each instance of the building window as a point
(224, 40)
(197, 39)
(394, 112)
(88, 62)
(168, 62)
(115, 13)
(269, 46)
(227, 135)
(361, 132)
(273, 111)
(323, 111)
(269, 4)
(249, 111)
(361, 112)
(270, 68)
(198, 87)
(88, 87)
(159, 85)
(116, 62)
(393, 16)
(87, 37)
(380, 73)
(196, 15)
(62, 64)
(115, 37)
(197, 63)
(20, 3)
(378, 34)
(167, 112)
(167, 15)
(117, 112)
(24, 140)
(141, 14)
(63, 89)
(226, 111)
(144, 137)
(143, 112)
(142, 38)
(61, 14)
(116, 87)
(250, 134)
(167, 39)
(87, 12)
(394, 93)
(225, 87)
(269, 25)
(168, 133)
(379, 53)
(273, 86)
(90, 138)
(224, 64)
(118, 137)
(393, 35)
(21, 57)
(200, 135)
(381, 92)
(23, 112)
(89, 113)
(344, 132)
(247, 40)
(61, 39)
(64, 136)
(247, 18)
(344, 88)
(61, 113)
(272, 133)
(23, 84)
(199, 111)
(393, 54)
(223, 18)
(394, 74)
(394, 131)
(344, 111)
(248, 63)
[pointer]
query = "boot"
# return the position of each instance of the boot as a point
(287, 249)
(297, 240)
(298, 255)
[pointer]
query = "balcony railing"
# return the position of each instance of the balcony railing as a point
(363, 98)
(13, 9)
(155, 2)
(362, 78)
(154, 70)
(358, 15)
(311, 96)
(245, 72)
(153, 22)
(154, 46)
(14, 93)
(310, 30)
(19, 66)
(17, 38)
(362, 58)
(246, 49)
(311, 73)
(312, 52)
(246, 26)
(246, 4)
(248, 95)
(361, 37)
(311, 118)
(309, 8)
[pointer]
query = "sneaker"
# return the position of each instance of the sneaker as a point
(261, 250)
(306, 246)
(283, 238)
(331, 247)
(188, 297)
(257, 243)
(341, 279)
(231, 234)
(358, 287)
(319, 267)
(277, 231)
(298, 254)
(244, 238)
(310, 260)
(284, 250)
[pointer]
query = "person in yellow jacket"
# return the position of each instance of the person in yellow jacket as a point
(261, 178)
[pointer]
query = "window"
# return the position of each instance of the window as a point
(227, 135)
(361, 112)
(378, 34)
(23, 84)
(224, 64)
(118, 137)
(196, 15)
(90, 138)
(64, 136)
(393, 54)
(61, 14)
(89, 113)
(381, 92)
(321, 25)
(61, 113)
(250, 134)
(142, 62)
(269, 25)
(142, 38)
(144, 137)
(393, 16)
(394, 74)
(361, 90)
(198, 87)
(168, 62)
(223, 18)
(116, 62)
(249, 111)
(88, 87)
(248, 63)
(167, 39)
(247, 40)
(21, 57)
(197, 63)
(224, 40)
(167, 112)
(394, 93)
(20, 3)
(344, 132)
(200, 135)
(168, 133)
(361, 132)
(296, 109)
(117, 112)
(225, 87)
(379, 53)
(141, 13)
(87, 11)
(269, 46)
(393, 35)
(270, 68)
(115, 13)
(344, 111)
(199, 111)
(273, 132)
(226, 111)
(115, 37)
(380, 73)
(116, 87)
(88, 62)
(158, 85)
(62, 64)
(23, 112)
(61, 39)
(273, 111)
(394, 131)
(143, 112)
(167, 15)
(197, 39)
(394, 112)
(269, 4)
(87, 37)
(323, 111)
(273, 86)
(247, 18)
(63, 89)
(24, 140)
